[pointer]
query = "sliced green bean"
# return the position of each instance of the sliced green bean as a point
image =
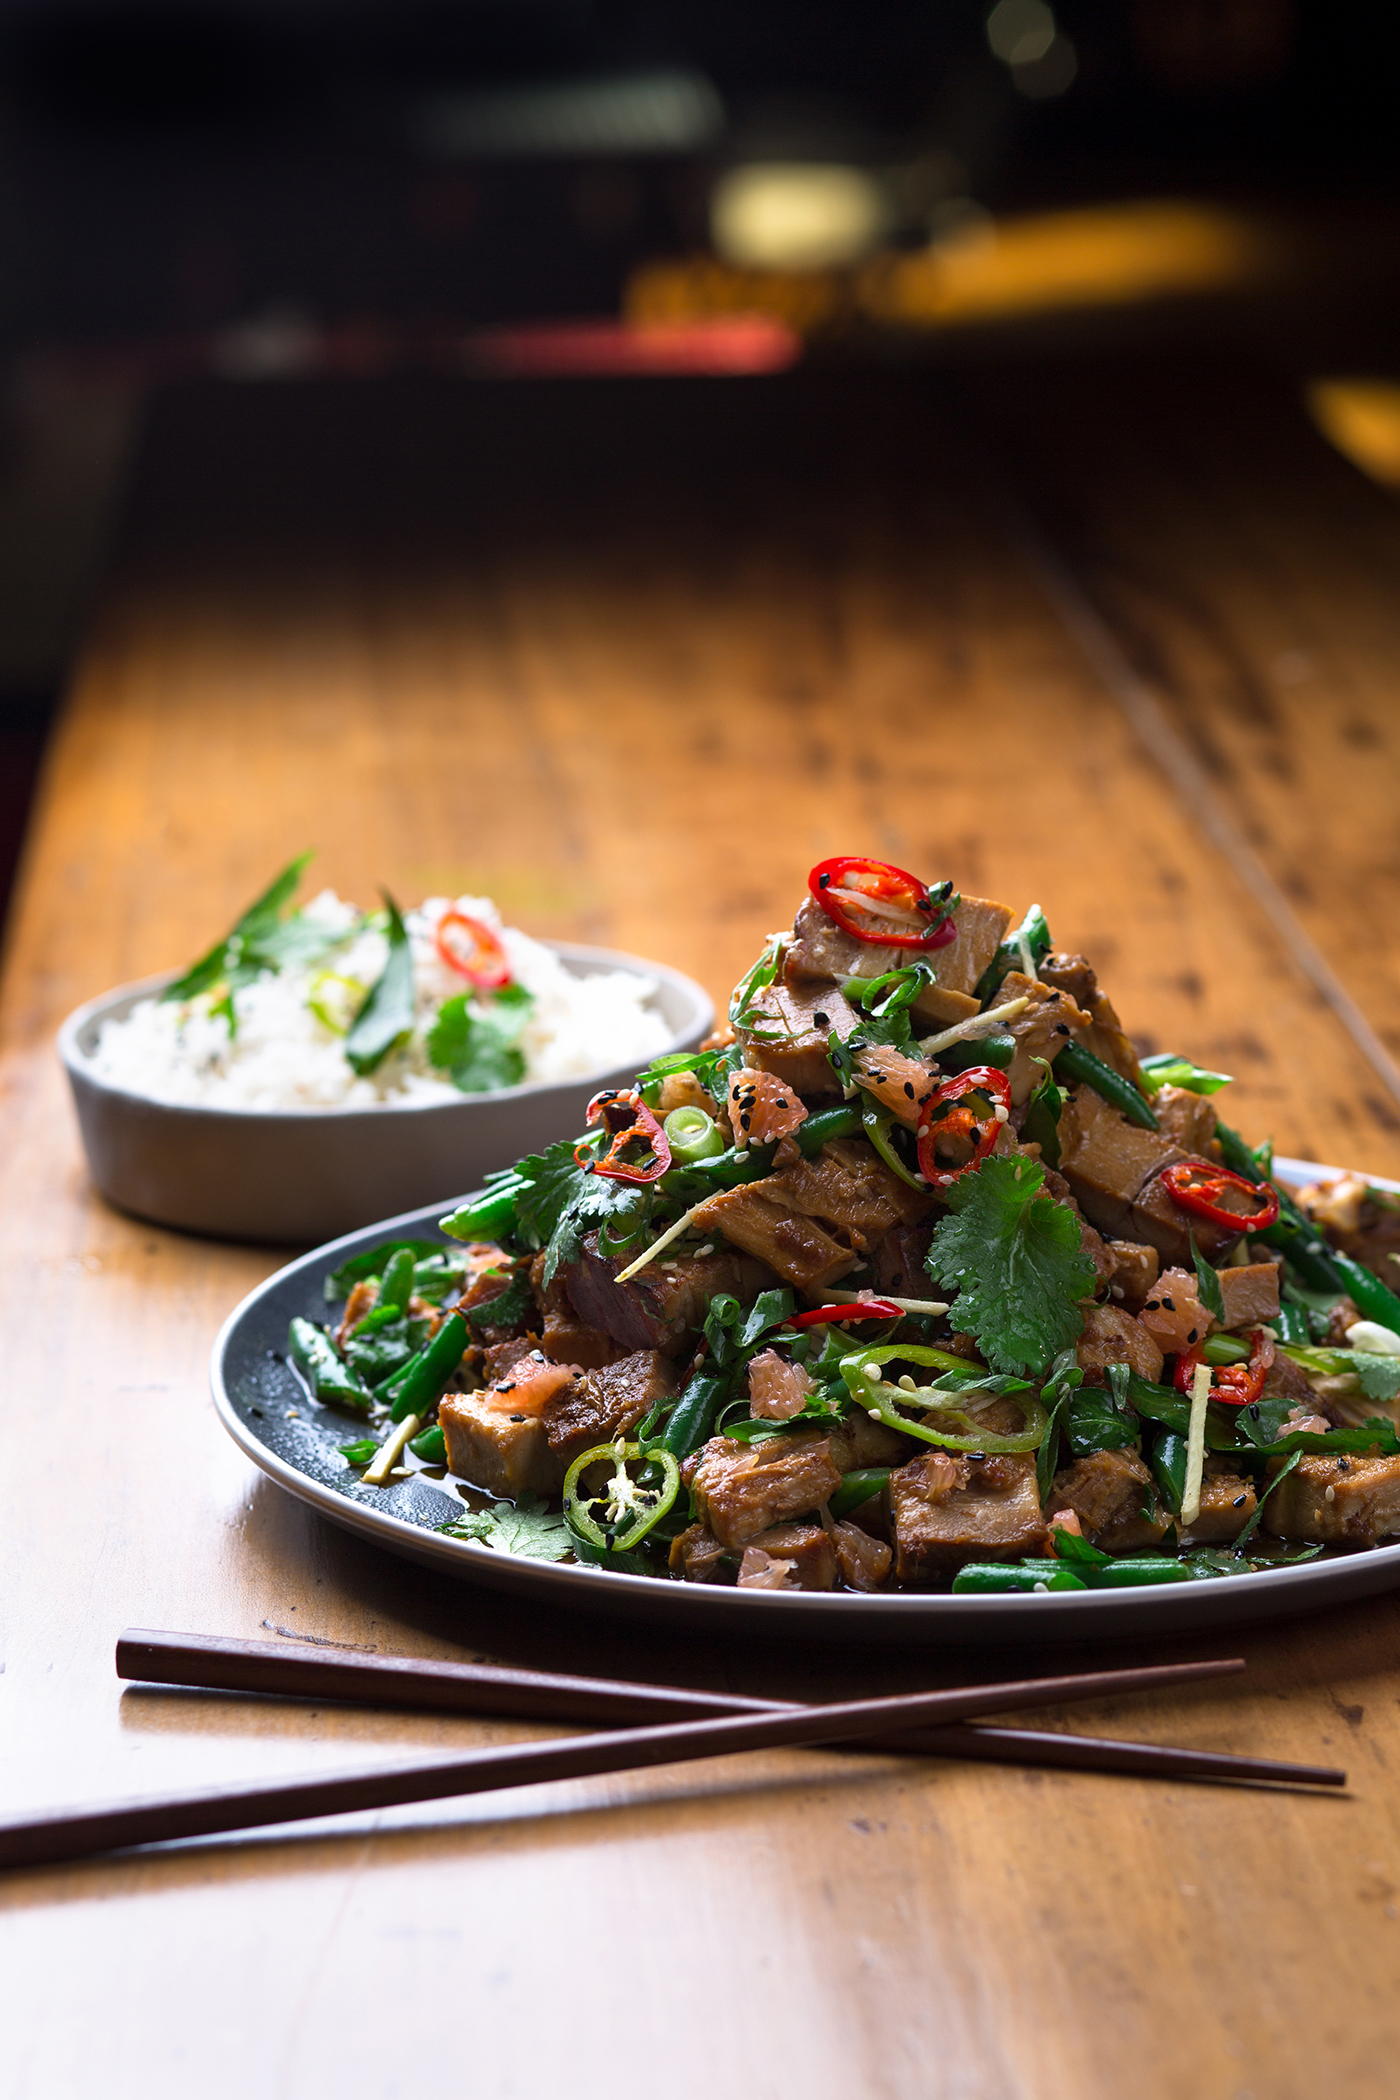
(1075, 1062)
(329, 1378)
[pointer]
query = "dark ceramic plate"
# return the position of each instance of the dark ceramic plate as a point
(266, 1411)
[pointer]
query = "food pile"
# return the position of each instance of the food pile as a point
(915, 1276)
(331, 1007)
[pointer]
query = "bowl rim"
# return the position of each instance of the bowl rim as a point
(78, 1064)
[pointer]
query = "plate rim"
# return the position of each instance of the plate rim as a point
(1070, 1613)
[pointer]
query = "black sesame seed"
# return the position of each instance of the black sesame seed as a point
(1238, 1502)
(909, 1089)
(822, 1020)
(1170, 1304)
(823, 881)
(746, 1118)
(1192, 1335)
(518, 1418)
(1152, 1305)
(1060, 1028)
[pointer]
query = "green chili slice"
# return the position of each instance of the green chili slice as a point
(887, 1403)
(629, 1504)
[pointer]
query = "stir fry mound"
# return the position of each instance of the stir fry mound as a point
(915, 1276)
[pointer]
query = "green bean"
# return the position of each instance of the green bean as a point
(856, 1488)
(331, 1380)
(1133, 1574)
(997, 1049)
(1034, 932)
(996, 1578)
(421, 1382)
(693, 1417)
(431, 1446)
(491, 1215)
(1169, 1469)
(396, 1287)
(1320, 1267)
(1075, 1062)
(828, 1123)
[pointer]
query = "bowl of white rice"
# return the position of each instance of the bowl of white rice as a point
(238, 1112)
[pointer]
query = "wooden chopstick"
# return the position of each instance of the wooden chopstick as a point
(210, 1663)
(77, 1833)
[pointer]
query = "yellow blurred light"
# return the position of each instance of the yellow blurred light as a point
(1106, 256)
(1020, 31)
(797, 216)
(1361, 417)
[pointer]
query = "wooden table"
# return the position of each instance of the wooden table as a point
(630, 659)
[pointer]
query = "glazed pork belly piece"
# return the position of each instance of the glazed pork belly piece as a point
(1340, 1499)
(1250, 1295)
(1108, 1492)
(822, 951)
(1187, 1119)
(663, 1307)
(1114, 1167)
(791, 1027)
(790, 1220)
(742, 1489)
(1049, 1021)
(947, 1509)
(789, 1557)
(1112, 1336)
(523, 1433)
(1105, 1038)
(1228, 1501)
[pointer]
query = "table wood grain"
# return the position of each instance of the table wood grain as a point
(630, 659)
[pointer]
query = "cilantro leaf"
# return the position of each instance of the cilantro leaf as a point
(526, 1528)
(1015, 1259)
(479, 1051)
(552, 1180)
(1379, 1375)
(257, 921)
(507, 1308)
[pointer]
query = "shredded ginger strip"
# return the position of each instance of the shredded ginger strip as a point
(391, 1451)
(976, 1024)
(1195, 1444)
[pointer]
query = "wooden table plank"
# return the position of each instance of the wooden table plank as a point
(631, 659)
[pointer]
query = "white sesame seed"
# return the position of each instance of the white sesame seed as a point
(1000, 1114)
(708, 1248)
(1329, 1494)
(874, 1414)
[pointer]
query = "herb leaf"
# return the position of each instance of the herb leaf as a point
(1209, 1283)
(261, 916)
(1379, 1375)
(1015, 1259)
(507, 1308)
(387, 1014)
(479, 1051)
(527, 1529)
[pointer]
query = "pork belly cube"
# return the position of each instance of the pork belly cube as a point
(946, 1510)
(1112, 1336)
(1158, 1218)
(791, 1220)
(1041, 1031)
(1106, 1160)
(1187, 1119)
(1228, 1501)
(794, 1247)
(861, 1442)
(1250, 1294)
(606, 1403)
(1135, 1270)
(1112, 1494)
(792, 1025)
(897, 1262)
(1342, 1499)
(667, 1303)
(1105, 1038)
(806, 1554)
(981, 924)
(743, 1489)
(697, 1556)
(498, 1446)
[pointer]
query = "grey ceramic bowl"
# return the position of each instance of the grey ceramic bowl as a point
(298, 1175)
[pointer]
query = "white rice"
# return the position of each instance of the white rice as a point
(282, 1056)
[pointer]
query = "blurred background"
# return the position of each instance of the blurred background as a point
(211, 196)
